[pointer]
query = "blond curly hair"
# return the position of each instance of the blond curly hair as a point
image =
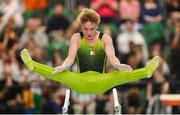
(88, 14)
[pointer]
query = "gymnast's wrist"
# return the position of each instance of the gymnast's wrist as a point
(65, 66)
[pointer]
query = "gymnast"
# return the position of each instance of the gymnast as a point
(91, 49)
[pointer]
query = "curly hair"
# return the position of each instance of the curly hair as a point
(88, 15)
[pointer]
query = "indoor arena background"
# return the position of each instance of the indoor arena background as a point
(140, 29)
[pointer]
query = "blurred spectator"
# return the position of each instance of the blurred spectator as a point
(50, 104)
(59, 32)
(39, 55)
(173, 10)
(129, 9)
(162, 73)
(173, 14)
(56, 58)
(34, 7)
(59, 47)
(9, 45)
(112, 30)
(52, 11)
(151, 11)
(110, 105)
(31, 5)
(133, 101)
(174, 52)
(73, 28)
(28, 99)
(160, 77)
(101, 103)
(58, 22)
(83, 103)
(13, 91)
(56, 28)
(9, 36)
(34, 32)
(152, 16)
(107, 9)
(14, 65)
(79, 8)
(38, 99)
(130, 35)
(11, 8)
(135, 58)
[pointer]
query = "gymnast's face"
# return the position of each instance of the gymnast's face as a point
(89, 29)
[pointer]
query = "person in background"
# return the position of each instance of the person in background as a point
(107, 9)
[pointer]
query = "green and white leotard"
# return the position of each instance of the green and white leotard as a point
(91, 79)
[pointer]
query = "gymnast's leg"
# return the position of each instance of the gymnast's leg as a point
(35, 66)
(80, 82)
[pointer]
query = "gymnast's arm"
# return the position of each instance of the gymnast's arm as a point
(73, 48)
(109, 49)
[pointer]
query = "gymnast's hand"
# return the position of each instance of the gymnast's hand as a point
(60, 69)
(123, 67)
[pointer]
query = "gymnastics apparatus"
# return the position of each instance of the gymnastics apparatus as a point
(90, 82)
(168, 100)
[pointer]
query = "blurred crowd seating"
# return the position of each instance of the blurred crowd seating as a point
(140, 29)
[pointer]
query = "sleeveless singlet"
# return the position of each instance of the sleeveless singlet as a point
(91, 58)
